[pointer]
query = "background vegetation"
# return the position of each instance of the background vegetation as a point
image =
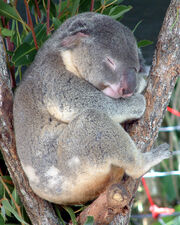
(23, 36)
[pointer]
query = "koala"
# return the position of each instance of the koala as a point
(85, 81)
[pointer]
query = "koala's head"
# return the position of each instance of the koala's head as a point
(102, 51)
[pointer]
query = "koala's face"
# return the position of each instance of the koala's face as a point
(106, 56)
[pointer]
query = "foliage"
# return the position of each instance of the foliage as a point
(23, 37)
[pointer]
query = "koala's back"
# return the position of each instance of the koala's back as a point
(35, 130)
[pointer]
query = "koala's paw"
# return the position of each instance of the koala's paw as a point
(138, 106)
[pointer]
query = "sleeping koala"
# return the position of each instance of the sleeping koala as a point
(84, 82)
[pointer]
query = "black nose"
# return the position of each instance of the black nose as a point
(128, 83)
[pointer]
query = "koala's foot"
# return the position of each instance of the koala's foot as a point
(149, 159)
(161, 152)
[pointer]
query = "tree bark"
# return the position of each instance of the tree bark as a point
(115, 203)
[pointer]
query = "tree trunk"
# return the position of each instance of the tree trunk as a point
(115, 203)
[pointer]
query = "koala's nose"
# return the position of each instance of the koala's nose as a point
(117, 91)
(128, 83)
(124, 88)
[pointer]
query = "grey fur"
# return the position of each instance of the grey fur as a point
(68, 134)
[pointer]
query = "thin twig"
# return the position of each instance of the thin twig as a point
(48, 12)
(30, 23)
(92, 5)
(37, 9)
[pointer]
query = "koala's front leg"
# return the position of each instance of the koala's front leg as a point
(129, 109)
(119, 110)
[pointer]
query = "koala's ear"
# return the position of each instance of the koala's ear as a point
(72, 40)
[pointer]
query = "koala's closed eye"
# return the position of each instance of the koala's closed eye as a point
(110, 63)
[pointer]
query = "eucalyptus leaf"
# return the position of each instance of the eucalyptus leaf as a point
(118, 1)
(102, 2)
(111, 2)
(75, 7)
(72, 214)
(3, 212)
(118, 11)
(6, 32)
(175, 221)
(59, 215)
(56, 22)
(12, 224)
(177, 208)
(2, 191)
(24, 54)
(16, 197)
(40, 32)
(8, 11)
(1, 220)
(144, 43)
(52, 9)
(8, 207)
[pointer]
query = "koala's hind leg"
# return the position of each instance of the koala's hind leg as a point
(99, 143)
(92, 153)
(149, 159)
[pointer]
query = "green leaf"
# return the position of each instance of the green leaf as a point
(16, 198)
(174, 221)
(75, 7)
(12, 224)
(137, 26)
(1, 220)
(177, 208)
(8, 11)
(59, 215)
(118, 2)
(40, 32)
(56, 22)
(111, 1)
(24, 54)
(3, 212)
(118, 11)
(144, 43)
(52, 9)
(89, 220)
(8, 207)
(6, 32)
(71, 213)
(2, 191)
(168, 188)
